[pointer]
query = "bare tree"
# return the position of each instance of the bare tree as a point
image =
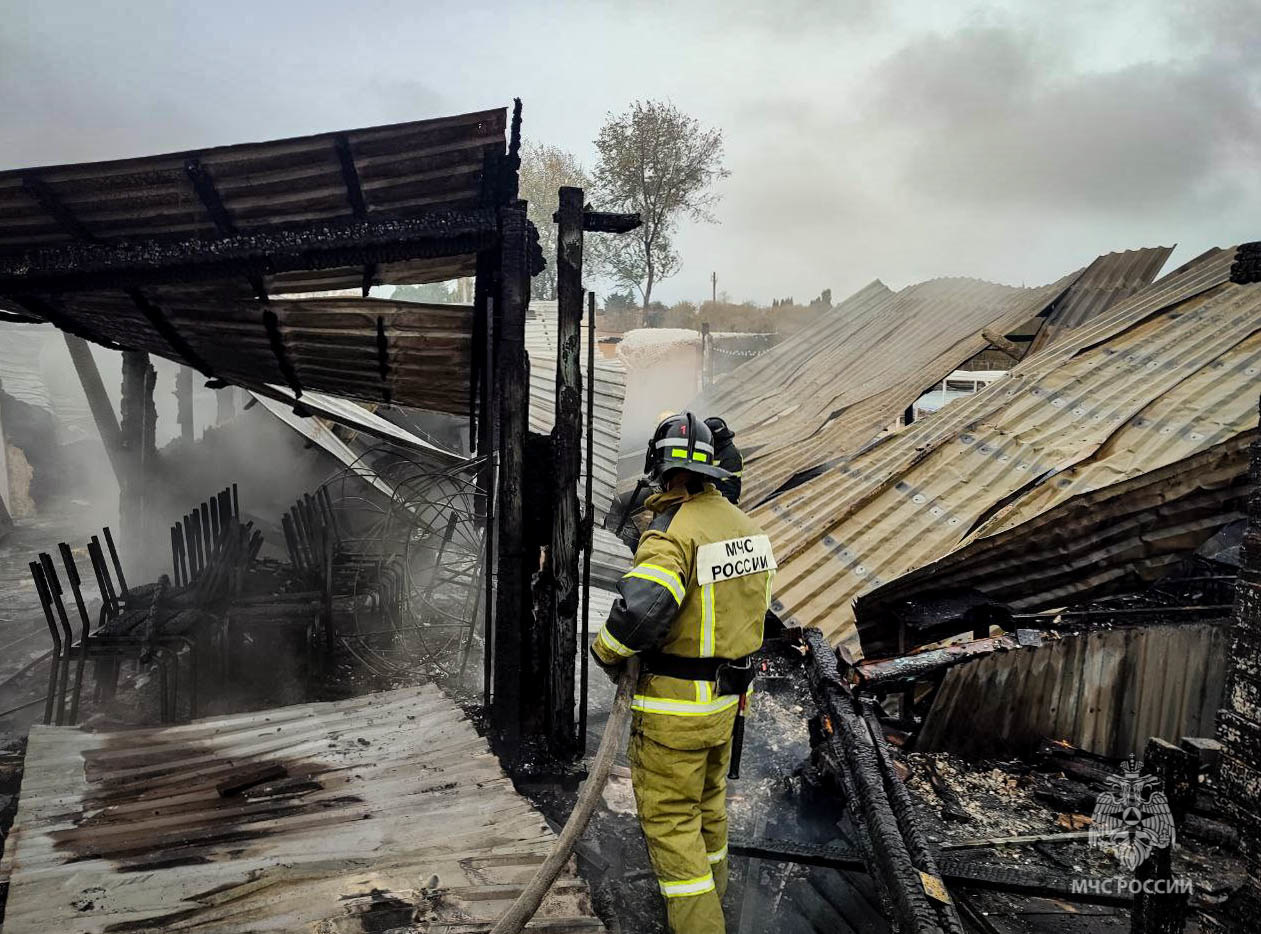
(658, 161)
(544, 170)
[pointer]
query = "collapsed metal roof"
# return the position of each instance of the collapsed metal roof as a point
(365, 814)
(1106, 281)
(1152, 382)
(834, 388)
(1117, 537)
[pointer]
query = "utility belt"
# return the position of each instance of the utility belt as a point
(730, 675)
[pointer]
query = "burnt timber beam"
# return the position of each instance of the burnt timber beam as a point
(511, 405)
(892, 847)
(332, 245)
(567, 454)
(168, 332)
(1010, 348)
(1017, 880)
(608, 222)
(350, 176)
(70, 225)
(210, 199)
(136, 429)
(204, 185)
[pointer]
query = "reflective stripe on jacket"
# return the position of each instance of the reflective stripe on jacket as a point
(699, 588)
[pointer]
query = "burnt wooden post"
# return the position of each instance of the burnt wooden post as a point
(184, 402)
(1239, 720)
(567, 454)
(98, 400)
(139, 418)
(512, 605)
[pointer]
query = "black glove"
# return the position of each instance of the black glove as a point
(613, 672)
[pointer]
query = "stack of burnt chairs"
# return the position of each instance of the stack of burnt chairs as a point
(355, 576)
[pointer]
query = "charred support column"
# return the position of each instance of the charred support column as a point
(512, 605)
(137, 431)
(1239, 722)
(184, 402)
(567, 454)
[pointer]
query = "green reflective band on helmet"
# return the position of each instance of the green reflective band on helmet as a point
(679, 452)
(700, 456)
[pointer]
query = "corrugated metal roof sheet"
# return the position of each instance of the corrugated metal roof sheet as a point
(1110, 539)
(403, 169)
(333, 345)
(378, 796)
(610, 393)
(1105, 282)
(364, 421)
(1107, 692)
(833, 389)
(1157, 378)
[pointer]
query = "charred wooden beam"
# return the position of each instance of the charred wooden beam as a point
(208, 194)
(383, 358)
(512, 610)
(609, 222)
(168, 332)
(1012, 349)
(327, 245)
(277, 341)
(567, 454)
(350, 176)
(70, 225)
(894, 850)
(886, 673)
(1018, 880)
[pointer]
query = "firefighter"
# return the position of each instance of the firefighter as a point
(728, 457)
(692, 608)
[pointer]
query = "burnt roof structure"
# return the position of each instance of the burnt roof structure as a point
(185, 254)
(1149, 385)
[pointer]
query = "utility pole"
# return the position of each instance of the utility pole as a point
(713, 287)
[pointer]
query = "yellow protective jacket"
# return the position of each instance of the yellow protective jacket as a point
(700, 588)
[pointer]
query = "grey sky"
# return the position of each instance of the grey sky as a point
(1011, 141)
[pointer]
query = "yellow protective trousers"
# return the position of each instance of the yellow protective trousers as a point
(681, 796)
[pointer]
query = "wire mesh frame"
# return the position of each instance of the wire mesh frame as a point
(410, 563)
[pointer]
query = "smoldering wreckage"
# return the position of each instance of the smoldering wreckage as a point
(327, 671)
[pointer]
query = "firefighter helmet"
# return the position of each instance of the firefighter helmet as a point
(682, 442)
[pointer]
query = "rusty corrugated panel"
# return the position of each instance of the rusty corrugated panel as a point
(1156, 379)
(859, 367)
(387, 809)
(332, 344)
(1115, 538)
(1105, 282)
(1106, 692)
